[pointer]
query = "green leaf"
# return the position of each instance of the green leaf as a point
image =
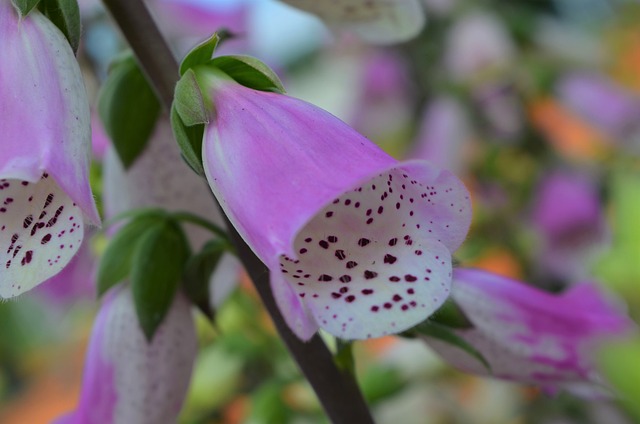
(65, 14)
(198, 273)
(189, 101)
(25, 6)
(450, 315)
(447, 335)
(381, 382)
(201, 53)
(115, 264)
(619, 363)
(250, 72)
(344, 356)
(129, 109)
(190, 141)
(158, 265)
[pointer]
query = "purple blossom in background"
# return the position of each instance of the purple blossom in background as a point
(357, 243)
(45, 198)
(568, 217)
(383, 107)
(531, 336)
(602, 103)
(375, 21)
(128, 380)
(445, 135)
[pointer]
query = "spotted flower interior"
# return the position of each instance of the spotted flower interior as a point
(345, 10)
(40, 231)
(373, 262)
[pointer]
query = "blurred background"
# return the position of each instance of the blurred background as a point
(535, 104)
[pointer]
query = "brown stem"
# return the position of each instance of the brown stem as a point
(337, 391)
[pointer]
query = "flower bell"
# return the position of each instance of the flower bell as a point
(45, 197)
(375, 21)
(357, 243)
(128, 380)
(532, 336)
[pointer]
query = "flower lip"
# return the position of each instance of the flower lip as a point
(377, 259)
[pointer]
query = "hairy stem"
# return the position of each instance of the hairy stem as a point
(337, 390)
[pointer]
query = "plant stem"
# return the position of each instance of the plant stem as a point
(337, 391)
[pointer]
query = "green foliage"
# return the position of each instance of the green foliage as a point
(24, 6)
(250, 72)
(189, 139)
(116, 261)
(201, 53)
(198, 271)
(128, 108)
(158, 265)
(379, 383)
(189, 100)
(619, 362)
(448, 335)
(65, 14)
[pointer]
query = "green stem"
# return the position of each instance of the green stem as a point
(195, 219)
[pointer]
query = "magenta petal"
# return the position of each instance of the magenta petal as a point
(529, 335)
(345, 225)
(45, 197)
(127, 380)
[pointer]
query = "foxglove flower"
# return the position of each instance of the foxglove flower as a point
(45, 198)
(375, 21)
(444, 135)
(531, 336)
(356, 242)
(568, 216)
(128, 380)
(599, 101)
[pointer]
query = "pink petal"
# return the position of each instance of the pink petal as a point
(128, 380)
(318, 202)
(45, 197)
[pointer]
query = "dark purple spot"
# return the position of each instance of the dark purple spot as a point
(393, 242)
(308, 239)
(48, 200)
(374, 308)
(363, 242)
(369, 221)
(387, 305)
(370, 274)
(397, 298)
(336, 295)
(325, 277)
(45, 239)
(345, 278)
(367, 291)
(410, 291)
(410, 278)
(303, 251)
(328, 214)
(350, 298)
(389, 259)
(332, 239)
(352, 264)
(27, 221)
(394, 279)
(380, 209)
(418, 252)
(340, 254)
(323, 244)
(344, 289)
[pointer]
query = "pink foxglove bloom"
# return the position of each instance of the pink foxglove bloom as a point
(602, 103)
(445, 135)
(357, 243)
(532, 336)
(478, 48)
(568, 217)
(126, 379)
(375, 21)
(45, 198)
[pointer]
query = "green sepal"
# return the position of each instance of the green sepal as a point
(448, 335)
(190, 141)
(158, 266)
(197, 275)
(250, 72)
(128, 108)
(65, 14)
(116, 262)
(380, 382)
(24, 6)
(189, 101)
(203, 52)
(450, 315)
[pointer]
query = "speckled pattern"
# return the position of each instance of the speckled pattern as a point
(40, 231)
